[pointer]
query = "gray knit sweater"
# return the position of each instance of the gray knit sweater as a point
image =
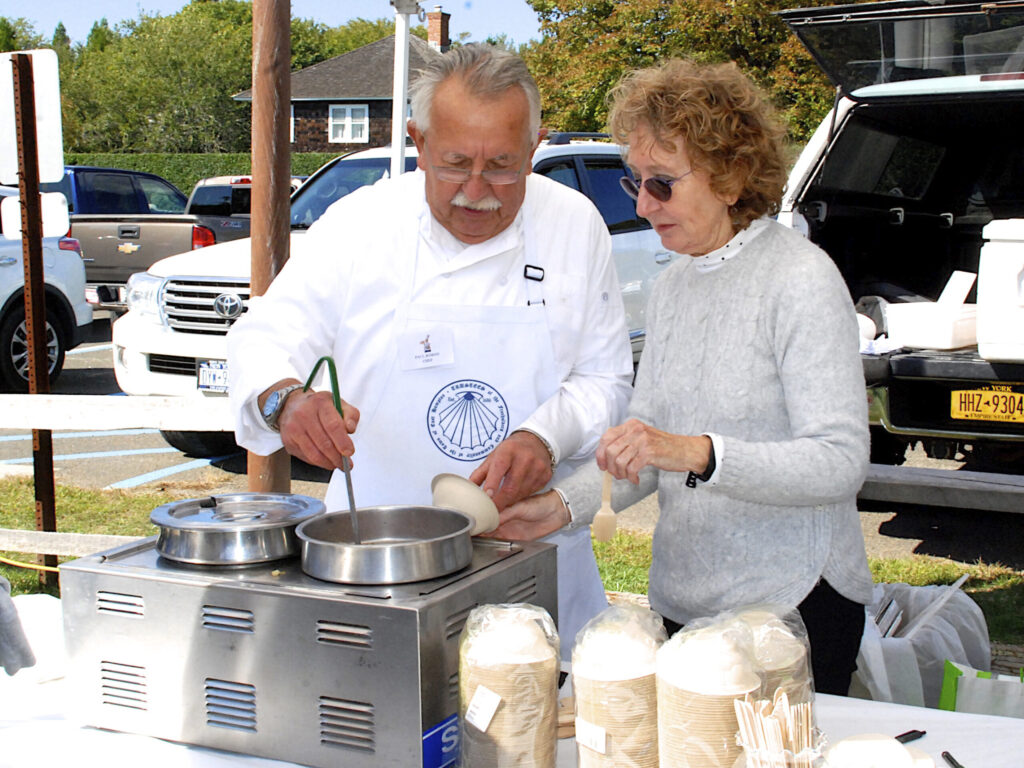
(761, 351)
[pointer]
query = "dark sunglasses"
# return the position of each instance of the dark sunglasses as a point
(658, 188)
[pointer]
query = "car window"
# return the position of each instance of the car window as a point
(335, 182)
(221, 200)
(617, 208)
(108, 193)
(64, 187)
(562, 171)
(160, 196)
(866, 159)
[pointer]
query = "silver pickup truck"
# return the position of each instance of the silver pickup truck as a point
(125, 221)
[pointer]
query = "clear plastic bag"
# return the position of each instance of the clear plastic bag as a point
(508, 687)
(613, 674)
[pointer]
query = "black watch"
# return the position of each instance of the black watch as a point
(693, 477)
(274, 404)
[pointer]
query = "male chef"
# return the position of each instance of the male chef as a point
(473, 312)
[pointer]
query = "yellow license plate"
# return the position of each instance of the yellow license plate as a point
(987, 405)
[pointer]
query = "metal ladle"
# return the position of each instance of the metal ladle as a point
(346, 465)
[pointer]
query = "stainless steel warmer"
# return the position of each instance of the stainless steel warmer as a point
(265, 660)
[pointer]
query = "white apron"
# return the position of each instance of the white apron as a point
(493, 367)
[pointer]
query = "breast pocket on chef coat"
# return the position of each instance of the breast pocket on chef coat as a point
(565, 303)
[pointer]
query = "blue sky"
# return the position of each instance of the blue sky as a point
(481, 18)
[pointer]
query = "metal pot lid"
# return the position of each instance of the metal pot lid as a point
(236, 512)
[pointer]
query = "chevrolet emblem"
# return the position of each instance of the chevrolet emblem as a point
(127, 247)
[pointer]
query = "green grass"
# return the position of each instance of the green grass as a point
(998, 590)
(623, 562)
(113, 513)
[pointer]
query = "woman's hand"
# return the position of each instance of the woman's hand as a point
(628, 448)
(532, 518)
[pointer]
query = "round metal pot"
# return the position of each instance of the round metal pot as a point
(232, 529)
(397, 545)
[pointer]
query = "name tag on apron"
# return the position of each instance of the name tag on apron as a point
(426, 349)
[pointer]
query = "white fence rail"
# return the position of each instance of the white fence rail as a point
(100, 412)
(186, 414)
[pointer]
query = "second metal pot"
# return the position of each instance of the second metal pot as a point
(399, 544)
(232, 528)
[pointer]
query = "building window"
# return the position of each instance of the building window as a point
(291, 125)
(348, 123)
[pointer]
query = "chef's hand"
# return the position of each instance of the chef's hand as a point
(628, 448)
(518, 467)
(532, 518)
(312, 429)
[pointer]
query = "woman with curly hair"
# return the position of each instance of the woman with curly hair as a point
(749, 415)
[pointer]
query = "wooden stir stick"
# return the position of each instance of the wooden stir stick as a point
(603, 526)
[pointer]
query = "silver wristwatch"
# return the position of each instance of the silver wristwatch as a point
(274, 404)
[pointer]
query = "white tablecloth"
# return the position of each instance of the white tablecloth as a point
(35, 729)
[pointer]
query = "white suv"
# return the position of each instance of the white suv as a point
(172, 339)
(915, 175)
(67, 311)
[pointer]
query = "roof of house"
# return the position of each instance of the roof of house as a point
(364, 73)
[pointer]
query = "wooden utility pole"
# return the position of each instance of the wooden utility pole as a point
(35, 294)
(271, 174)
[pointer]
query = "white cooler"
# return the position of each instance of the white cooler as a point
(1000, 323)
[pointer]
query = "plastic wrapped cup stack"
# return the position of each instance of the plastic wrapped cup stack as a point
(508, 687)
(614, 664)
(781, 655)
(699, 675)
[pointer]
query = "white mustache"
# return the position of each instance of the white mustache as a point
(489, 203)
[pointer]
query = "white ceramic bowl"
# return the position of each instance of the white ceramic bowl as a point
(458, 493)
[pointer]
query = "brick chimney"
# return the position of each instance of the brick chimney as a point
(437, 29)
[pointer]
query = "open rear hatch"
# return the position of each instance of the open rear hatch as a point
(909, 41)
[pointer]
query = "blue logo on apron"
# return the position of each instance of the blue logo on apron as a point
(467, 419)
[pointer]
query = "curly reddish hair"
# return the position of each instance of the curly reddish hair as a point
(728, 128)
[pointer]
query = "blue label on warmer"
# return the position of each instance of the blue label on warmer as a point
(441, 744)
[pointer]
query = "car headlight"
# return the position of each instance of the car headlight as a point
(142, 294)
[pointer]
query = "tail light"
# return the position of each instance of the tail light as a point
(202, 237)
(70, 244)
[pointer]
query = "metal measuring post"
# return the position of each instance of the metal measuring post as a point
(35, 293)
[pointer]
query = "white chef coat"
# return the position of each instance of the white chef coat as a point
(347, 274)
(343, 294)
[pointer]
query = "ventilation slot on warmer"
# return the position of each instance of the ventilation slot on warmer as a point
(453, 687)
(351, 635)
(230, 705)
(346, 724)
(123, 685)
(227, 619)
(522, 591)
(122, 605)
(453, 624)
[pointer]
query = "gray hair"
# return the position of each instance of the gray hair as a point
(487, 72)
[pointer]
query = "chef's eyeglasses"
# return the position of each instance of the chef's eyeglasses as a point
(658, 187)
(495, 176)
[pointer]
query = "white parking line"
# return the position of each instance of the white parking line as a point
(159, 474)
(65, 435)
(83, 350)
(95, 455)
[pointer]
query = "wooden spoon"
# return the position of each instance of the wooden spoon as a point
(603, 526)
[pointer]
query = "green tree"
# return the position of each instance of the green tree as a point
(18, 35)
(8, 37)
(164, 84)
(100, 36)
(587, 45)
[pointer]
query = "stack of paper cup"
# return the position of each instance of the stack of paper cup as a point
(613, 679)
(781, 655)
(699, 675)
(508, 688)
